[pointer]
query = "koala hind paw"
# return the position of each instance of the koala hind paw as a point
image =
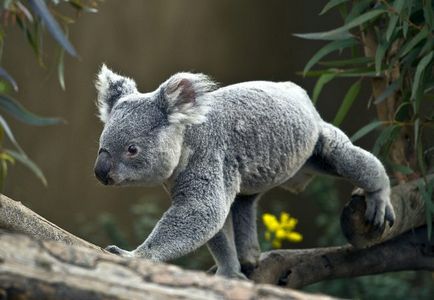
(379, 209)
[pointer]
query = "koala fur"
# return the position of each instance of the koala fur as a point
(218, 150)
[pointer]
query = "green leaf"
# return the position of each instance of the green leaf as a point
(40, 8)
(402, 169)
(9, 133)
(330, 5)
(346, 62)
(320, 83)
(426, 196)
(22, 158)
(428, 13)
(8, 78)
(61, 69)
(423, 63)
(388, 91)
(15, 109)
(356, 72)
(349, 98)
(386, 137)
(398, 5)
(358, 7)
(413, 42)
(330, 47)
(365, 130)
(342, 32)
(379, 55)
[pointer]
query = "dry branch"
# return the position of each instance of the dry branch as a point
(297, 268)
(32, 269)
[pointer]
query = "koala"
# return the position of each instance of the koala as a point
(217, 150)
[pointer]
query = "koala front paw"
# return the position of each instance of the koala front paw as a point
(379, 209)
(118, 251)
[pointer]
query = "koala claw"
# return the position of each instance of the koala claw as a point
(379, 210)
(118, 251)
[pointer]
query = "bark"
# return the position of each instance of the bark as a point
(297, 268)
(34, 269)
(14, 216)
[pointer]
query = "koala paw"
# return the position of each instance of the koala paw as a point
(379, 209)
(118, 251)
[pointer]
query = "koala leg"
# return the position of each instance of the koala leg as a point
(246, 236)
(222, 248)
(336, 155)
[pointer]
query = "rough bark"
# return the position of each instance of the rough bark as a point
(410, 213)
(14, 216)
(34, 269)
(297, 268)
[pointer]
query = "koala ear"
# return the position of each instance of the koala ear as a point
(111, 87)
(185, 97)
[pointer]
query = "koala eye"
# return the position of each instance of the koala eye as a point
(132, 150)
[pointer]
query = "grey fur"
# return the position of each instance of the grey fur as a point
(217, 149)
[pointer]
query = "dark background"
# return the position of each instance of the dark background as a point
(232, 41)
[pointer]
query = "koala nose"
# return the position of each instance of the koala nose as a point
(102, 167)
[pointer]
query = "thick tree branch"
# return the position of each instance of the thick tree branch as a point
(297, 268)
(32, 269)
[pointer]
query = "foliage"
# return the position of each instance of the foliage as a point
(280, 230)
(391, 44)
(33, 17)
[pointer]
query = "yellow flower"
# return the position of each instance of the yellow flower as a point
(281, 230)
(270, 222)
(294, 237)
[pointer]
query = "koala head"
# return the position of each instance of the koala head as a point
(143, 132)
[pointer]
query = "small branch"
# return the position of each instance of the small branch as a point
(409, 209)
(298, 268)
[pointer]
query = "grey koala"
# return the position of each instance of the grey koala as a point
(217, 150)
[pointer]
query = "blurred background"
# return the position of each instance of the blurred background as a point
(232, 41)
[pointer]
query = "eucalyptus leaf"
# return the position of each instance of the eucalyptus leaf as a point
(327, 49)
(22, 158)
(365, 130)
(40, 8)
(61, 69)
(348, 101)
(413, 42)
(9, 133)
(423, 63)
(346, 62)
(394, 86)
(402, 169)
(379, 55)
(342, 32)
(398, 5)
(8, 78)
(320, 83)
(16, 110)
(386, 137)
(331, 4)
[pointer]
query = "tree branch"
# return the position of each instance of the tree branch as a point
(32, 269)
(297, 268)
